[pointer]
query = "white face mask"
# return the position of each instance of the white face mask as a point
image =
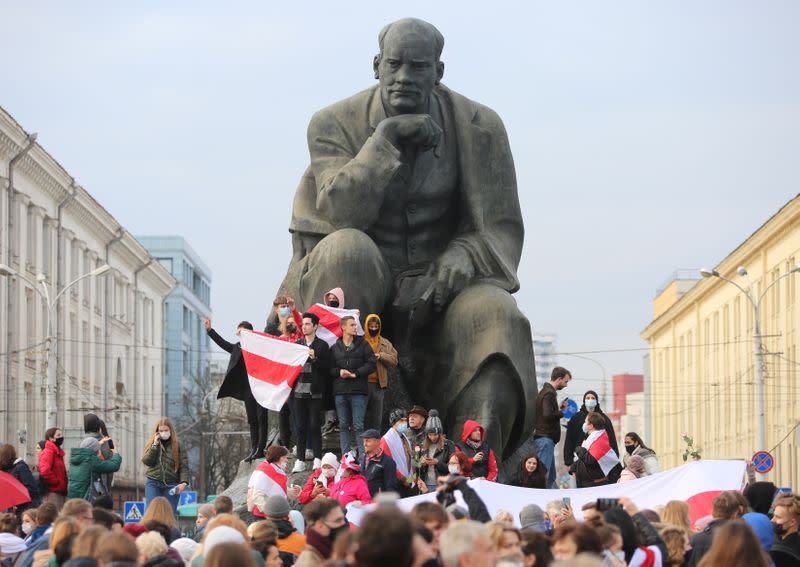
(330, 473)
(164, 435)
(453, 469)
(27, 528)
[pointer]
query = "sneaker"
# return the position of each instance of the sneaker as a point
(317, 464)
(299, 466)
(309, 454)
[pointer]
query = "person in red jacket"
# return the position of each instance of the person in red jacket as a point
(318, 483)
(52, 469)
(473, 444)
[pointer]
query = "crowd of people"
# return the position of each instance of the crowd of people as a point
(755, 528)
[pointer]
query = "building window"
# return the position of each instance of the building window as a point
(167, 263)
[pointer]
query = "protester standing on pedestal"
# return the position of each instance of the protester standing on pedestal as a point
(52, 468)
(386, 357)
(236, 385)
(334, 298)
(287, 328)
(308, 392)
(575, 435)
(87, 470)
(473, 444)
(352, 360)
(167, 464)
(548, 421)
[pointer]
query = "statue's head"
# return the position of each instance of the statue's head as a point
(408, 65)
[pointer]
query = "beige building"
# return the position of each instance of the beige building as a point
(702, 379)
(110, 328)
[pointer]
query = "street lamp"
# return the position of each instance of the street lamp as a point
(51, 400)
(758, 347)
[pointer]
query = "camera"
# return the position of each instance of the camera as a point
(604, 504)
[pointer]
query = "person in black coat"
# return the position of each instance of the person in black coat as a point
(19, 469)
(436, 451)
(236, 385)
(532, 473)
(352, 361)
(575, 435)
(308, 393)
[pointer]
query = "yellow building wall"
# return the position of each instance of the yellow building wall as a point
(702, 379)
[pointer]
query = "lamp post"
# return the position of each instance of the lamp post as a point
(758, 347)
(51, 359)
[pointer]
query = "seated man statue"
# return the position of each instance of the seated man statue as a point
(410, 204)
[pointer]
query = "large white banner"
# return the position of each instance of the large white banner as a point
(696, 483)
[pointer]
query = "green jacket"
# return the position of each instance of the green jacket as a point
(161, 465)
(83, 463)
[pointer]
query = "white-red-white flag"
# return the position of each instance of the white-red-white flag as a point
(329, 329)
(599, 447)
(272, 367)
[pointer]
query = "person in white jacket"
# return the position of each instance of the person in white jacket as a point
(635, 446)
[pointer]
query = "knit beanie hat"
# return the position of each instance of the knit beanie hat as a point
(221, 534)
(185, 546)
(396, 415)
(532, 516)
(433, 424)
(330, 459)
(90, 443)
(277, 506)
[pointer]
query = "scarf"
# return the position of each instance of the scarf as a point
(474, 444)
(319, 542)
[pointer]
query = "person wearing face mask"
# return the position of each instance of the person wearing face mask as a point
(236, 385)
(459, 464)
(575, 435)
(85, 467)
(377, 381)
(269, 479)
(167, 464)
(395, 445)
(635, 446)
(786, 523)
(318, 482)
(325, 520)
(52, 469)
(595, 463)
(333, 298)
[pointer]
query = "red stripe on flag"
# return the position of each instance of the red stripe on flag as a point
(700, 504)
(269, 371)
(600, 447)
(327, 319)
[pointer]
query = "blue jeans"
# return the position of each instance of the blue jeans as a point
(351, 408)
(545, 451)
(153, 488)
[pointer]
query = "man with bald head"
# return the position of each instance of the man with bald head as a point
(410, 203)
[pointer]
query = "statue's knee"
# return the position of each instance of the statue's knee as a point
(346, 244)
(483, 305)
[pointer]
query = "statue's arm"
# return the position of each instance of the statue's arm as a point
(350, 182)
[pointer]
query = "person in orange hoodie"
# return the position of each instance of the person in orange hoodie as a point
(378, 381)
(473, 444)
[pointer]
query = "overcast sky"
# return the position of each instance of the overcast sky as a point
(647, 136)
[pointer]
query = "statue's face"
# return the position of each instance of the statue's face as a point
(407, 71)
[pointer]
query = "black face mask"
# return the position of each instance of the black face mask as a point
(59, 441)
(630, 449)
(337, 531)
(333, 303)
(373, 333)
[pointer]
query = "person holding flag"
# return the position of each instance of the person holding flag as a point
(269, 479)
(395, 445)
(596, 463)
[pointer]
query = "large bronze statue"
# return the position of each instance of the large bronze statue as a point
(410, 205)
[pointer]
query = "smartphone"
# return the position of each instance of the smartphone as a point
(111, 444)
(604, 504)
(567, 502)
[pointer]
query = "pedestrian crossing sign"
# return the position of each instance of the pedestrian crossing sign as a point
(133, 512)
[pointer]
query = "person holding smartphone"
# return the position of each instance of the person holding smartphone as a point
(166, 462)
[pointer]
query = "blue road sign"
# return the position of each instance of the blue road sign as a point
(133, 512)
(763, 462)
(187, 497)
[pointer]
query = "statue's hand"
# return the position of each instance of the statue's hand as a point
(454, 272)
(417, 130)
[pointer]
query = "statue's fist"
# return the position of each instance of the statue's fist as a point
(418, 130)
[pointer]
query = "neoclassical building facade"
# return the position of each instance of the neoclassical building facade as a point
(110, 347)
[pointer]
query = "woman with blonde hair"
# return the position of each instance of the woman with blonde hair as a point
(65, 530)
(166, 461)
(226, 554)
(677, 541)
(85, 543)
(160, 511)
(676, 513)
(507, 541)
